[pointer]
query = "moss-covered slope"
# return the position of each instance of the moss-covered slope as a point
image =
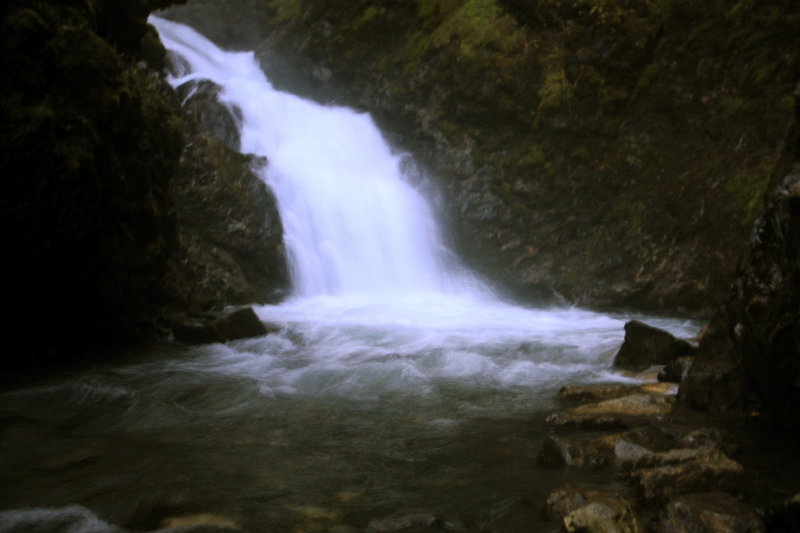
(613, 151)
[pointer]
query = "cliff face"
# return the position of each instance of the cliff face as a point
(89, 140)
(753, 342)
(615, 152)
(96, 154)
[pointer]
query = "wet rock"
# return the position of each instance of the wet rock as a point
(645, 346)
(586, 508)
(198, 523)
(706, 472)
(239, 324)
(625, 412)
(710, 511)
(200, 99)
(593, 393)
(230, 235)
(558, 451)
(625, 447)
(676, 370)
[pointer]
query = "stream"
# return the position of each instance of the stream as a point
(396, 390)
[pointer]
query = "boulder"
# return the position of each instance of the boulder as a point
(708, 511)
(590, 509)
(701, 472)
(239, 324)
(645, 346)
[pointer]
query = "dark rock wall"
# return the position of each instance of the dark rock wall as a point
(230, 248)
(615, 152)
(89, 140)
(115, 208)
(753, 342)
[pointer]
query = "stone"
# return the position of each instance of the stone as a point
(200, 100)
(708, 512)
(707, 472)
(591, 509)
(593, 451)
(614, 516)
(676, 370)
(587, 393)
(239, 324)
(199, 522)
(645, 346)
(625, 412)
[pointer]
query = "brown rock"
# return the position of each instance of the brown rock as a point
(709, 472)
(708, 512)
(591, 509)
(593, 393)
(559, 451)
(625, 412)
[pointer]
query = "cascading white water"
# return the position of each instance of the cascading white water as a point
(378, 302)
(352, 224)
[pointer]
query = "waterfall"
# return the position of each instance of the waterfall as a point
(352, 222)
(379, 304)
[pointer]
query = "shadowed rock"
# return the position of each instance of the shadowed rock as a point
(645, 346)
(708, 511)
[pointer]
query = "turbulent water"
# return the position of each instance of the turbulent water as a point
(397, 386)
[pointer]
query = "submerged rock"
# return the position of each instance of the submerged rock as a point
(708, 511)
(645, 346)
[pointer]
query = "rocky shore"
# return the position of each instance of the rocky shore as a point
(668, 468)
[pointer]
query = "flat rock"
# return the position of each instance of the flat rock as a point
(625, 412)
(645, 346)
(594, 393)
(701, 473)
(709, 511)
